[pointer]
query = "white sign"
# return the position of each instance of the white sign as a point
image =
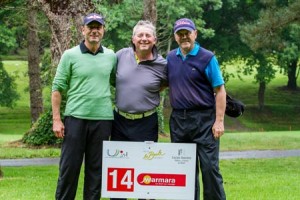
(148, 170)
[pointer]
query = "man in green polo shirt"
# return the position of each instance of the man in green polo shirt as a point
(84, 74)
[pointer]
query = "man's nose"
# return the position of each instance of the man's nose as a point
(184, 35)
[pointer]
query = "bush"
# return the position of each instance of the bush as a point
(8, 93)
(41, 132)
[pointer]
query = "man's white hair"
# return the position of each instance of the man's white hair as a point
(146, 24)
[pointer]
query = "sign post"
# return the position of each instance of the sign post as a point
(148, 170)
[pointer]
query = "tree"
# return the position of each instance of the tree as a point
(230, 47)
(12, 28)
(288, 55)
(65, 21)
(121, 16)
(8, 94)
(150, 11)
(277, 30)
(35, 86)
(7, 40)
(23, 21)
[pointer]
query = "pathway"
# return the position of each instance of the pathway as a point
(223, 156)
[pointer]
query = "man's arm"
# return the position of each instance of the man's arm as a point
(218, 127)
(58, 127)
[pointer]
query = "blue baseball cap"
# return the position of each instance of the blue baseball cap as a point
(93, 17)
(184, 24)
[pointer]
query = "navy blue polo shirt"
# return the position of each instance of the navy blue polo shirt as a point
(192, 78)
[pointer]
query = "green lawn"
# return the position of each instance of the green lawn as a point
(277, 140)
(265, 179)
(17, 120)
(276, 127)
(251, 179)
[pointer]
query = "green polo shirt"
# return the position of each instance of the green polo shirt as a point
(85, 78)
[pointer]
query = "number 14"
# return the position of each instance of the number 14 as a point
(120, 179)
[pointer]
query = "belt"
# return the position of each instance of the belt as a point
(134, 116)
(192, 109)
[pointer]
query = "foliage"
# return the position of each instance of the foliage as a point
(46, 67)
(290, 49)
(276, 31)
(120, 22)
(264, 33)
(160, 112)
(13, 27)
(264, 67)
(63, 26)
(7, 40)
(41, 132)
(219, 26)
(226, 42)
(281, 113)
(8, 94)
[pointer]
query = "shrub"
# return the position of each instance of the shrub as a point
(8, 93)
(41, 132)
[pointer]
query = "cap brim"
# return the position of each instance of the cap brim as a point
(183, 28)
(93, 20)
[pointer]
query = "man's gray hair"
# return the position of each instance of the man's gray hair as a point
(146, 24)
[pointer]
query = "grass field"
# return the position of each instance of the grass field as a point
(281, 113)
(279, 140)
(276, 127)
(282, 109)
(251, 179)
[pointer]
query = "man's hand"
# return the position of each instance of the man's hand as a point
(218, 129)
(58, 128)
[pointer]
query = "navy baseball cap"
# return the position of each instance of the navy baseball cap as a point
(93, 17)
(184, 24)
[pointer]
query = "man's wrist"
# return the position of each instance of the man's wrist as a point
(56, 118)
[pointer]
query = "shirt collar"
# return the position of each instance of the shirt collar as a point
(154, 53)
(193, 52)
(84, 49)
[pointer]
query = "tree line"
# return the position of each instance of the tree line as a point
(263, 34)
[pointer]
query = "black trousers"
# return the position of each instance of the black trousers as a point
(195, 126)
(83, 140)
(145, 129)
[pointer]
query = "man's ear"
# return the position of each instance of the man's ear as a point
(82, 30)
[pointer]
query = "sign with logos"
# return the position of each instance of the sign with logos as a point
(148, 170)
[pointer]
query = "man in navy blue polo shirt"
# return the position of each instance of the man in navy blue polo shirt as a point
(198, 100)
